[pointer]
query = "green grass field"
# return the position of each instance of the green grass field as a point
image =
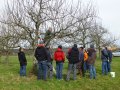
(10, 79)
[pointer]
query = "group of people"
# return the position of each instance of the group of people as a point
(79, 61)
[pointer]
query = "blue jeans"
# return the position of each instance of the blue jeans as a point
(104, 67)
(59, 68)
(42, 70)
(109, 66)
(23, 70)
(92, 71)
(85, 66)
(70, 68)
(49, 69)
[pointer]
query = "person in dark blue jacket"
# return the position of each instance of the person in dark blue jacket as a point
(110, 59)
(73, 58)
(104, 58)
(23, 62)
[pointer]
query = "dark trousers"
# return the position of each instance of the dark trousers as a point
(71, 67)
(104, 67)
(59, 68)
(109, 66)
(92, 71)
(23, 70)
(49, 69)
(42, 70)
(80, 67)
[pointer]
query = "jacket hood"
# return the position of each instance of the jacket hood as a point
(75, 48)
(58, 49)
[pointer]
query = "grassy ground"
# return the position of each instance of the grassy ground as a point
(10, 79)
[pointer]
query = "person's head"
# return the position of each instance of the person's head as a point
(50, 29)
(75, 45)
(21, 49)
(91, 46)
(85, 50)
(81, 48)
(41, 44)
(109, 48)
(106, 48)
(60, 46)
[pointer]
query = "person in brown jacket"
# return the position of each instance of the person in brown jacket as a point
(91, 61)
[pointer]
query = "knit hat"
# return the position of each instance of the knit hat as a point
(91, 46)
(60, 46)
(75, 45)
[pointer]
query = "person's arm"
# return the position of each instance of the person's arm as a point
(80, 56)
(63, 55)
(55, 56)
(35, 54)
(24, 58)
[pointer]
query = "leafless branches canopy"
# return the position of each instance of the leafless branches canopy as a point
(25, 20)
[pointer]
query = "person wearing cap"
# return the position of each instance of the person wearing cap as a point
(42, 57)
(23, 62)
(104, 58)
(59, 57)
(91, 61)
(73, 58)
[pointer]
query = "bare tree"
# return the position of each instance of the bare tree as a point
(97, 34)
(31, 18)
(8, 40)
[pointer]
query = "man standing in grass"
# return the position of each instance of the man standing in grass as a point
(110, 59)
(104, 58)
(23, 62)
(73, 58)
(91, 61)
(59, 57)
(42, 57)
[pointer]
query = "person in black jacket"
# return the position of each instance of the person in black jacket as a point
(104, 58)
(42, 57)
(73, 58)
(23, 62)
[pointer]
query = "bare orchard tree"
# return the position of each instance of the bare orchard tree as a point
(28, 17)
(75, 26)
(8, 40)
(31, 18)
(97, 34)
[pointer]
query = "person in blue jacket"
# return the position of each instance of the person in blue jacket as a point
(110, 58)
(104, 58)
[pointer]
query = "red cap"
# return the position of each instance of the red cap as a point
(40, 45)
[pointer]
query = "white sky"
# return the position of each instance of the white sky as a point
(109, 12)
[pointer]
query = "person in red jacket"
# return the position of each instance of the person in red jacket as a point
(59, 57)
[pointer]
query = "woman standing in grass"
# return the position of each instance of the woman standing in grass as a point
(23, 62)
(59, 57)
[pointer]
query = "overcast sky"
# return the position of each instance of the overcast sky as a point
(108, 11)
